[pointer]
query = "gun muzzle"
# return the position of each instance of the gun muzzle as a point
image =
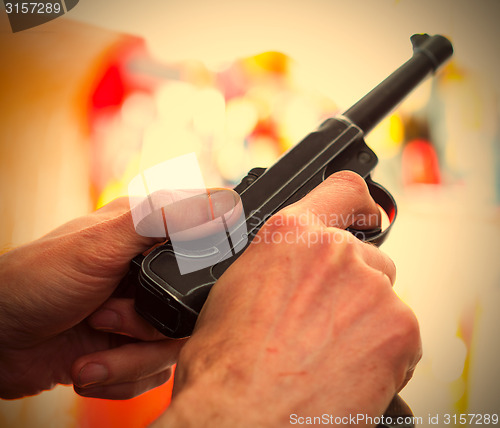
(429, 53)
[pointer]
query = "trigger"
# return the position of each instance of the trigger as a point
(367, 235)
(385, 200)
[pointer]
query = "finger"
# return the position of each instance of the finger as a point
(132, 362)
(119, 316)
(165, 213)
(125, 390)
(342, 200)
(370, 254)
(378, 260)
(110, 243)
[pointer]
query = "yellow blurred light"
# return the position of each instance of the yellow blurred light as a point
(262, 98)
(209, 112)
(418, 98)
(118, 187)
(263, 152)
(241, 118)
(305, 82)
(387, 137)
(396, 129)
(162, 142)
(114, 189)
(138, 110)
(232, 161)
(267, 62)
(453, 72)
(299, 117)
(196, 72)
(175, 103)
(458, 389)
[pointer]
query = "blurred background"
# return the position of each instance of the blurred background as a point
(92, 98)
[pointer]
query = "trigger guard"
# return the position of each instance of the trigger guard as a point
(385, 200)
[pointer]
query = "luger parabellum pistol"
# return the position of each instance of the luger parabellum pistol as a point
(171, 301)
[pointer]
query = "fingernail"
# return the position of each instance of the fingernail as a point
(223, 202)
(105, 319)
(92, 373)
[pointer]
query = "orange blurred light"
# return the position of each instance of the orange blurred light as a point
(137, 412)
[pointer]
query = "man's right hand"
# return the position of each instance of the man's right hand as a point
(304, 323)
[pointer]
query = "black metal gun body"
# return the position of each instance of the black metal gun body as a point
(171, 301)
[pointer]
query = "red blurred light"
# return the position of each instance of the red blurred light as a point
(420, 163)
(110, 91)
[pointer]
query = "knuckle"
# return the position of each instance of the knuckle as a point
(410, 324)
(277, 220)
(351, 182)
(406, 330)
(350, 178)
(345, 246)
(284, 220)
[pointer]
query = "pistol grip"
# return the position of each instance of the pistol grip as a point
(397, 415)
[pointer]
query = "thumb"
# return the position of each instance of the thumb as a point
(113, 235)
(180, 212)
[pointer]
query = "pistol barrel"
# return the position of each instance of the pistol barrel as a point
(429, 53)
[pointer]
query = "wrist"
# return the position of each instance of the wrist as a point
(16, 381)
(25, 369)
(209, 404)
(220, 398)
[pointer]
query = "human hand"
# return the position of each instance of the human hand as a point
(305, 322)
(58, 321)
